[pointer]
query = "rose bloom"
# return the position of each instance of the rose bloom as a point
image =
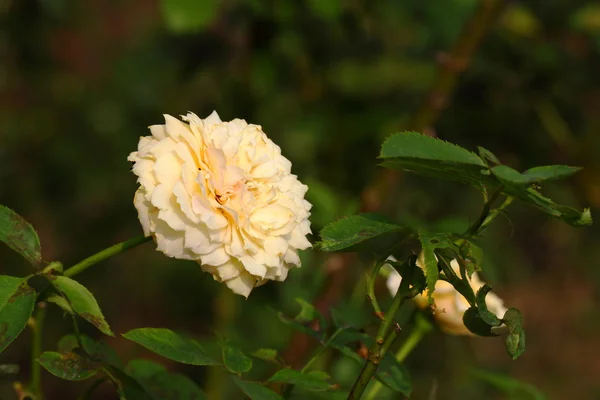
(222, 194)
(449, 304)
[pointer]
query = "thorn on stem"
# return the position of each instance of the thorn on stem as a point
(398, 328)
(379, 315)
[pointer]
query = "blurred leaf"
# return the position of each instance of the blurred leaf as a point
(328, 10)
(348, 232)
(82, 301)
(266, 355)
(19, 235)
(235, 360)
(328, 204)
(161, 384)
(294, 377)
(587, 18)
(15, 314)
(128, 388)
(308, 313)
(390, 373)
(256, 391)
(170, 345)
(509, 385)
(69, 366)
(421, 154)
(302, 322)
(9, 369)
(549, 173)
(487, 316)
(519, 20)
(187, 16)
(8, 286)
(395, 375)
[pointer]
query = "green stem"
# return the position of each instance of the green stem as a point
(321, 349)
(422, 327)
(485, 213)
(386, 335)
(370, 280)
(92, 388)
(36, 371)
(104, 254)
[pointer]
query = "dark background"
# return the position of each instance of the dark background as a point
(328, 80)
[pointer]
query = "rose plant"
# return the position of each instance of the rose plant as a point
(221, 194)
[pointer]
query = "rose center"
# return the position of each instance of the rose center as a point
(226, 193)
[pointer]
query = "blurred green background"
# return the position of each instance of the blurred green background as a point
(328, 80)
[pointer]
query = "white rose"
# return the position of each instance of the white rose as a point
(222, 194)
(450, 305)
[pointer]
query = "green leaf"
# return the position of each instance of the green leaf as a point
(518, 185)
(8, 287)
(15, 314)
(82, 301)
(549, 173)
(305, 318)
(235, 360)
(513, 320)
(515, 341)
(515, 344)
(128, 388)
(395, 375)
(487, 316)
(188, 16)
(308, 313)
(350, 232)
(69, 366)
(421, 154)
(19, 235)
(161, 384)
(429, 243)
(256, 391)
(98, 351)
(485, 154)
(509, 385)
(62, 302)
(472, 256)
(307, 380)
(170, 345)
(476, 324)
(267, 355)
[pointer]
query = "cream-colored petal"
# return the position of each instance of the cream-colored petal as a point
(242, 284)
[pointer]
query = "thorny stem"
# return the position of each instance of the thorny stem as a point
(37, 325)
(422, 327)
(386, 335)
(104, 254)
